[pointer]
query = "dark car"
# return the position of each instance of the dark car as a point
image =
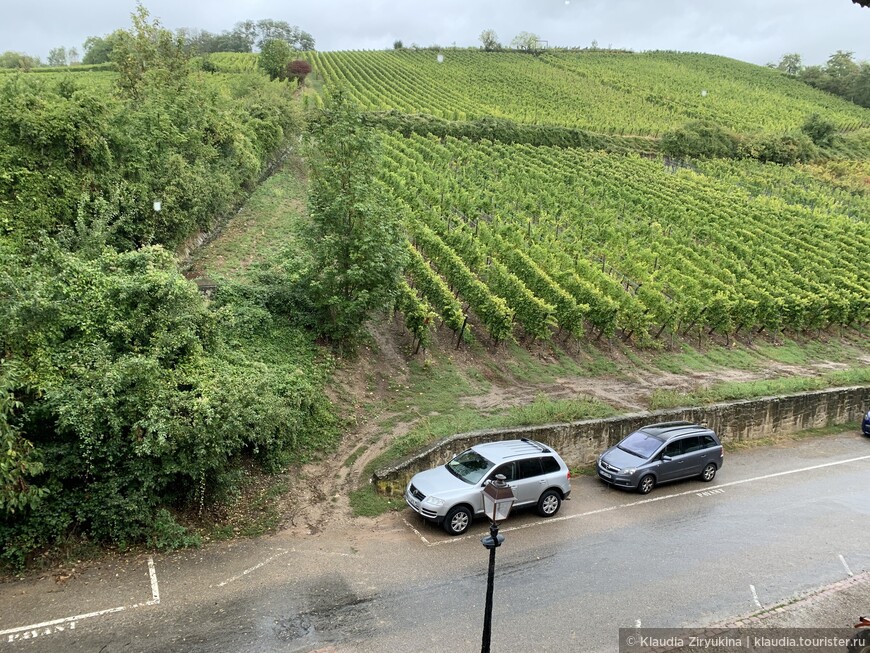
(660, 453)
(865, 424)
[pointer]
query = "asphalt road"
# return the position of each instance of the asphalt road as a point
(777, 522)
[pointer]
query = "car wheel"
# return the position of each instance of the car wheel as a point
(457, 520)
(549, 503)
(709, 473)
(647, 483)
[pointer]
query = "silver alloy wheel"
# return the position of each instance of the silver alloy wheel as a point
(459, 522)
(646, 484)
(709, 472)
(550, 504)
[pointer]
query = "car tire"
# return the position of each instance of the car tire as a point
(458, 520)
(646, 484)
(549, 503)
(709, 473)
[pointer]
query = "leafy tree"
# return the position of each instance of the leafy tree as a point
(57, 56)
(98, 49)
(269, 30)
(11, 59)
(298, 70)
(358, 244)
(148, 50)
(489, 40)
(398, 45)
(275, 55)
(73, 54)
(790, 64)
(840, 68)
(526, 41)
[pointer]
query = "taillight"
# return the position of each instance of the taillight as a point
(569, 474)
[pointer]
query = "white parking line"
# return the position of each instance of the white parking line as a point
(640, 502)
(755, 595)
(254, 568)
(843, 560)
(33, 631)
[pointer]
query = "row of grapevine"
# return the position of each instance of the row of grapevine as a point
(625, 243)
(628, 93)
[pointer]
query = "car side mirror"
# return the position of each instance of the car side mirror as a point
(666, 459)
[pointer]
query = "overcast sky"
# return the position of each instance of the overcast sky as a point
(757, 31)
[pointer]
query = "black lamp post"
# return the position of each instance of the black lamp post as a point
(498, 499)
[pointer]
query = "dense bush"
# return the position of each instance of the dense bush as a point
(68, 149)
(700, 139)
(784, 149)
(135, 395)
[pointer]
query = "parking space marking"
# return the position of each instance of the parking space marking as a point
(719, 489)
(41, 629)
(755, 596)
(843, 560)
(281, 552)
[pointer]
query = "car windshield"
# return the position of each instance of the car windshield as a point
(640, 444)
(469, 466)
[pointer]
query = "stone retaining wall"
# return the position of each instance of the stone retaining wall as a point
(579, 443)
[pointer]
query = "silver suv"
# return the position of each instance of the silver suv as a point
(662, 452)
(450, 495)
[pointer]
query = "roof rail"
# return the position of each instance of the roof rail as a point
(664, 425)
(543, 448)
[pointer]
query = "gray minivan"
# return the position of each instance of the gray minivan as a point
(660, 453)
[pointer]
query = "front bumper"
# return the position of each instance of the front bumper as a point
(616, 478)
(418, 506)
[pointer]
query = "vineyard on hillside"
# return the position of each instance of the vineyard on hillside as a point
(601, 91)
(537, 241)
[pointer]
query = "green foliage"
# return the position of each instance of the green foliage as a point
(820, 130)
(143, 394)
(98, 50)
(19, 462)
(842, 76)
(358, 244)
(71, 150)
(168, 535)
(784, 149)
(274, 58)
(489, 41)
(700, 139)
(18, 60)
(148, 52)
(733, 391)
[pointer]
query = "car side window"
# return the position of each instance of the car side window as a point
(550, 465)
(530, 467)
(708, 441)
(692, 443)
(674, 448)
(508, 469)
